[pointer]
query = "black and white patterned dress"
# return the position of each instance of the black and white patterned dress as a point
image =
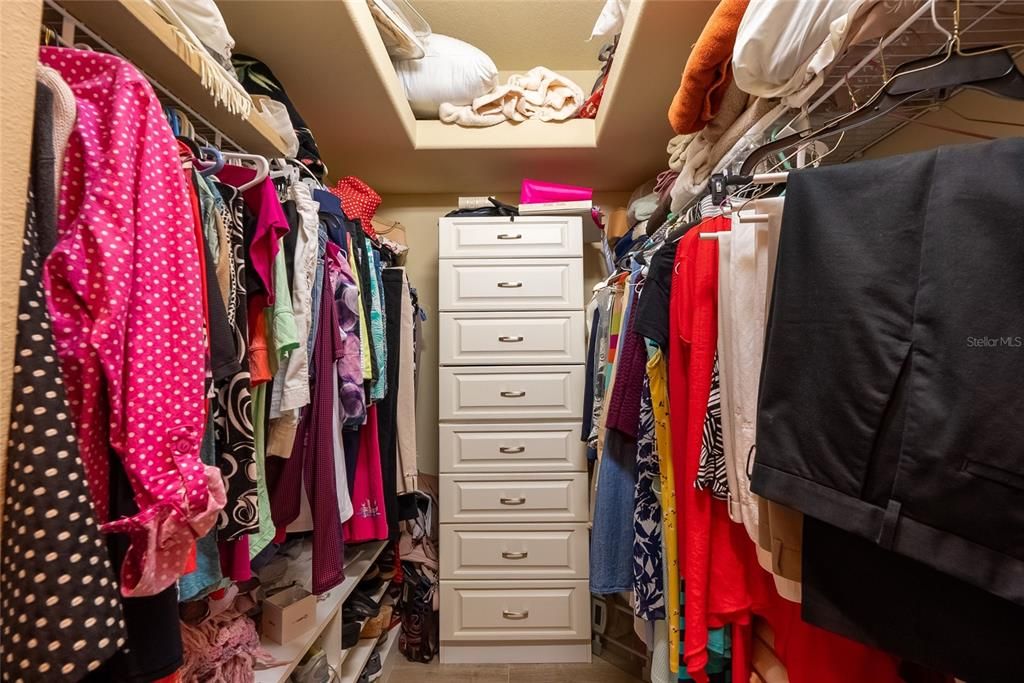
(60, 612)
(232, 411)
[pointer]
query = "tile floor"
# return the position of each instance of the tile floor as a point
(599, 671)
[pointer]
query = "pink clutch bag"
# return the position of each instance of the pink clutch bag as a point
(540, 192)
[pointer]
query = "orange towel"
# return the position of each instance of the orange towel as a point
(708, 70)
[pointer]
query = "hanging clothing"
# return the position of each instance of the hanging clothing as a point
(369, 520)
(350, 371)
(648, 570)
(122, 333)
(611, 557)
(57, 581)
(723, 591)
(656, 373)
(312, 463)
(746, 266)
(293, 377)
(378, 314)
(407, 449)
(854, 588)
(232, 410)
(711, 470)
(893, 439)
(153, 647)
(387, 412)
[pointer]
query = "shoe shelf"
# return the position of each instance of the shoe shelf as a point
(328, 619)
(353, 666)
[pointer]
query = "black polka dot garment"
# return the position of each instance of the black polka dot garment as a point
(60, 614)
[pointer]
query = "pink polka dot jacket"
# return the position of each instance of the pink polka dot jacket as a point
(125, 296)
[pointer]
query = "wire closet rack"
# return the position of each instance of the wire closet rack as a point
(865, 67)
(59, 27)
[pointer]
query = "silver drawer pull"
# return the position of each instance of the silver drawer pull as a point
(513, 394)
(510, 285)
(516, 614)
(511, 450)
(514, 556)
(508, 236)
(510, 340)
(513, 501)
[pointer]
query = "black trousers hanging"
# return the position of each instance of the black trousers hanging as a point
(859, 590)
(387, 409)
(890, 404)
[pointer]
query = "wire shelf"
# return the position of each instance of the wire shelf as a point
(58, 27)
(865, 67)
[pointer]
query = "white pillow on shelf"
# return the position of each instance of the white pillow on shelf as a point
(451, 71)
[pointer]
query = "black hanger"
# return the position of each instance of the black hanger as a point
(990, 70)
(192, 145)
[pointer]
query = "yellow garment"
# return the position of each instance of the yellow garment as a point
(364, 330)
(657, 373)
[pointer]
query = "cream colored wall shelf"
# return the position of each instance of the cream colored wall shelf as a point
(136, 31)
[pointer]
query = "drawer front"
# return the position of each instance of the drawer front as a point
(475, 498)
(539, 236)
(500, 448)
(495, 610)
(494, 393)
(519, 551)
(512, 338)
(510, 285)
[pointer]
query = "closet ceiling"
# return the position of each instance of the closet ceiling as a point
(521, 34)
(334, 66)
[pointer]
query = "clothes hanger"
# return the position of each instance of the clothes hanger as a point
(387, 227)
(261, 163)
(279, 168)
(184, 123)
(187, 143)
(48, 36)
(991, 70)
(172, 120)
(218, 160)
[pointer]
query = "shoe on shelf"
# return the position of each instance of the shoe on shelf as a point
(386, 563)
(371, 585)
(359, 607)
(373, 669)
(350, 631)
(374, 627)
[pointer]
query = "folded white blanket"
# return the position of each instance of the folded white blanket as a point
(540, 94)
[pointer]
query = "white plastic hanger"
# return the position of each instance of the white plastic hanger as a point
(261, 163)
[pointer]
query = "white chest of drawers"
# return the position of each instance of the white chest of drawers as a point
(514, 538)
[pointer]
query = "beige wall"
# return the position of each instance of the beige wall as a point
(419, 214)
(19, 23)
(976, 105)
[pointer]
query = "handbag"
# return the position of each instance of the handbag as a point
(541, 192)
(497, 208)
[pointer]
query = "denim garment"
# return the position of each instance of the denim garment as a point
(611, 547)
(318, 289)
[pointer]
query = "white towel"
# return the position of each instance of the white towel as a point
(539, 94)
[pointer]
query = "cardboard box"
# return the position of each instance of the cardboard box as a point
(288, 614)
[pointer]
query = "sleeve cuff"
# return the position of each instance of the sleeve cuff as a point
(161, 537)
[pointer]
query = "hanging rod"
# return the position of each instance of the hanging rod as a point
(71, 23)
